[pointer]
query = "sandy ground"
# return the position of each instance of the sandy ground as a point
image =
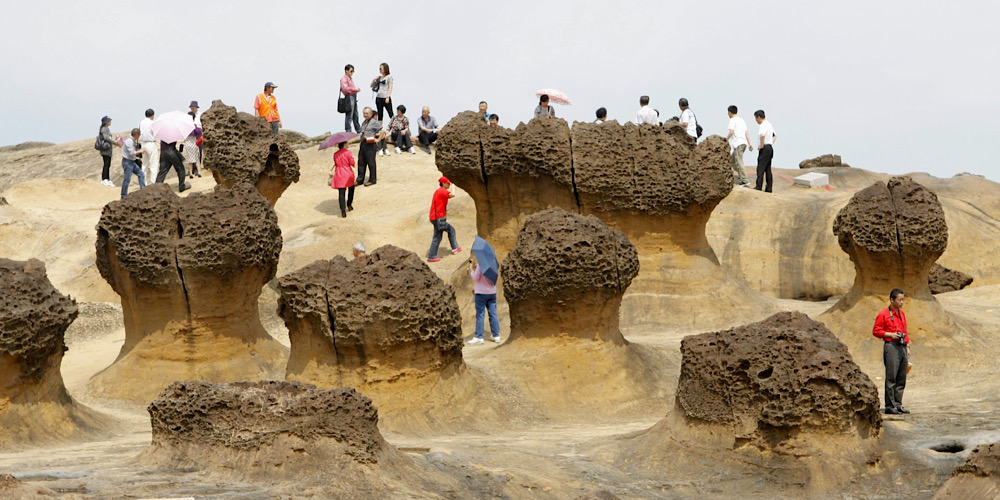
(537, 454)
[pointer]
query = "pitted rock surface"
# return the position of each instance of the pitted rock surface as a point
(648, 170)
(156, 236)
(245, 416)
(33, 316)
(983, 461)
(941, 279)
(239, 148)
(785, 374)
(559, 253)
(829, 160)
(900, 216)
(376, 306)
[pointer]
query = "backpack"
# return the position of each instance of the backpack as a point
(101, 143)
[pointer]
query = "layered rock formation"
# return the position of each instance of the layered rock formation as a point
(566, 276)
(34, 405)
(772, 381)
(189, 271)
(894, 233)
(940, 279)
(239, 148)
(383, 323)
(978, 477)
(823, 161)
(652, 183)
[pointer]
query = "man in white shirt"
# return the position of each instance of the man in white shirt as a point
(766, 151)
(646, 114)
(602, 115)
(739, 140)
(150, 146)
(687, 119)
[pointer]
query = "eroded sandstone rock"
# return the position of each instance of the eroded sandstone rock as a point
(189, 271)
(239, 148)
(829, 160)
(770, 381)
(566, 275)
(942, 280)
(34, 405)
(978, 477)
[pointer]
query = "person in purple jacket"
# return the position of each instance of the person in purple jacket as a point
(486, 300)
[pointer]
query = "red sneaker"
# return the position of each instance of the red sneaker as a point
(435, 259)
(455, 251)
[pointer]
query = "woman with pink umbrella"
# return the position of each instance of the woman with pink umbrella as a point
(545, 96)
(342, 175)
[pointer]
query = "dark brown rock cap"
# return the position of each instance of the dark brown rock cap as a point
(245, 416)
(900, 216)
(33, 316)
(828, 160)
(238, 147)
(784, 373)
(559, 253)
(156, 235)
(375, 302)
(942, 280)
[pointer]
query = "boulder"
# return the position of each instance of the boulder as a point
(189, 272)
(978, 477)
(775, 381)
(655, 184)
(942, 280)
(823, 161)
(566, 276)
(239, 148)
(34, 316)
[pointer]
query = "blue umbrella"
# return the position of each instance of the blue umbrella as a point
(487, 259)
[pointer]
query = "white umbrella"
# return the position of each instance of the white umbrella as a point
(173, 126)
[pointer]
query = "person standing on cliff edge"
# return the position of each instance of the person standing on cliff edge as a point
(890, 326)
(266, 105)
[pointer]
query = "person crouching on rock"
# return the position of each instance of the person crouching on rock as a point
(486, 300)
(438, 216)
(170, 157)
(890, 326)
(342, 177)
(129, 164)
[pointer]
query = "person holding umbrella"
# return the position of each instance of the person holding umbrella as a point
(170, 128)
(543, 108)
(342, 175)
(485, 271)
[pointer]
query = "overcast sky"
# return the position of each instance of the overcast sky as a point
(892, 86)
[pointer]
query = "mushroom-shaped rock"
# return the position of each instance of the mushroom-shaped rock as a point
(978, 477)
(189, 272)
(942, 280)
(894, 233)
(240, 148)
(771, 381)
(269, 427)
(34, 405)
(383, 323)
(566, 276)
(827, 161)
(655, 184)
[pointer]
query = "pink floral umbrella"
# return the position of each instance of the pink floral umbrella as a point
(555, 96)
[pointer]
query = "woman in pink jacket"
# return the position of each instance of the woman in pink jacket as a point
(342, 177)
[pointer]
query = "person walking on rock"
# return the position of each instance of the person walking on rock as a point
(687, 118)
(739, 140)
(105, 144)
(765, 152)
(438, 217)
(350, 91)
(486, 301)
(150, 146)
(266, 105)
(371, 134)
(129, 165)
(170, 157)
(342, 177)
(890, 326)
(192, 154)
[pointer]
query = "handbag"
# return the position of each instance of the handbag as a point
(441, 224)
(342, 104)
(375, 86)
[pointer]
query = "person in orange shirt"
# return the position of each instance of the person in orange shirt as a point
(890, 327)
(266, 105)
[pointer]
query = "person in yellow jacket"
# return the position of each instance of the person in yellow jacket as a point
(266, 105)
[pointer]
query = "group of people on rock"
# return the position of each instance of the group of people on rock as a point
(159, 156)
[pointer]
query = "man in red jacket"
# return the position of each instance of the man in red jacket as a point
(890, 326)
(438, 218)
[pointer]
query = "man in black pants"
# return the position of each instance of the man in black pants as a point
(371, 133)
(170, 157)
(890, 326)
(765, 152)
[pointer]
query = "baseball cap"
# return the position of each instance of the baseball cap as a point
(444, 179)
(270, 84)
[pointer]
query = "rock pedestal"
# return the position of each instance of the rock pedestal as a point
(34, 405)
(189, 272)
(240, 148)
